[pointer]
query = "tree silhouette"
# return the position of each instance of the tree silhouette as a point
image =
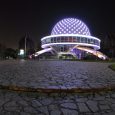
(108, 44)
(2, 50)
(9, 52)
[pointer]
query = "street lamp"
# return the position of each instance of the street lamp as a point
(25, 45)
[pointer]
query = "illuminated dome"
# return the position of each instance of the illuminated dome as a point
(70, 26)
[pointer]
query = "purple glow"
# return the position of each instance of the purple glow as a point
(70, 26)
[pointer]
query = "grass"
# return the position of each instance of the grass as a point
(112, 66)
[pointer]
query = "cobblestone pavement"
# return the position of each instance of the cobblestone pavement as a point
(57, 75)
(28, 103)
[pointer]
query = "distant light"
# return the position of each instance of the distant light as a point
(21, 52)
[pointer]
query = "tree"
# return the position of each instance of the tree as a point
(2, 50)
(108, 45)
(10, 53)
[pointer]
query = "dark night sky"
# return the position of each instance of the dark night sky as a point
(37, 17)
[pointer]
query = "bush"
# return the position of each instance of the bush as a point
(112, 67)
(91, 57)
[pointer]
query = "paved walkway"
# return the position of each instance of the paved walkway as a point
(56, 75)
(26, 103)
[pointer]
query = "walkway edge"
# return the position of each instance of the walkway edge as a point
(52, 90)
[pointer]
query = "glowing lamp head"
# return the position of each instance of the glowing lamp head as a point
(70, 26)
(21, 52)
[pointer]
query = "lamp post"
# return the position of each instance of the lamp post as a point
(25, 45)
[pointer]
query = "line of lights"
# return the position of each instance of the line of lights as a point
(70, 26)
(66, 43)
(69, 35)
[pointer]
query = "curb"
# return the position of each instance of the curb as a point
(52, 90)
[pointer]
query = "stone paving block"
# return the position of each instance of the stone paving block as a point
(36, 103)
(111, 113)
(110, 100)
(104, 102)
(29, 109)
(69, 105)
(11, 103)
(82, 107)
(99, 98)
(97, 113)
(69, 112)
(53, 107)
(68, 100)
(40, 114)
(1, 102)
(113, 95)
(87, 113)
(104, 107)
(113, 106)
(62, 87)
(10, 113)
(44, 110)
(24, 113)
(81, 99)
(55, 112)
(53, 87)
(13, 108)
(92, 105)
(47, 101)
(22, 103)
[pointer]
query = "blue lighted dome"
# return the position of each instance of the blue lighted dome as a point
(70, 26)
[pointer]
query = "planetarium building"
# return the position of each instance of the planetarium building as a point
(71, 36)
